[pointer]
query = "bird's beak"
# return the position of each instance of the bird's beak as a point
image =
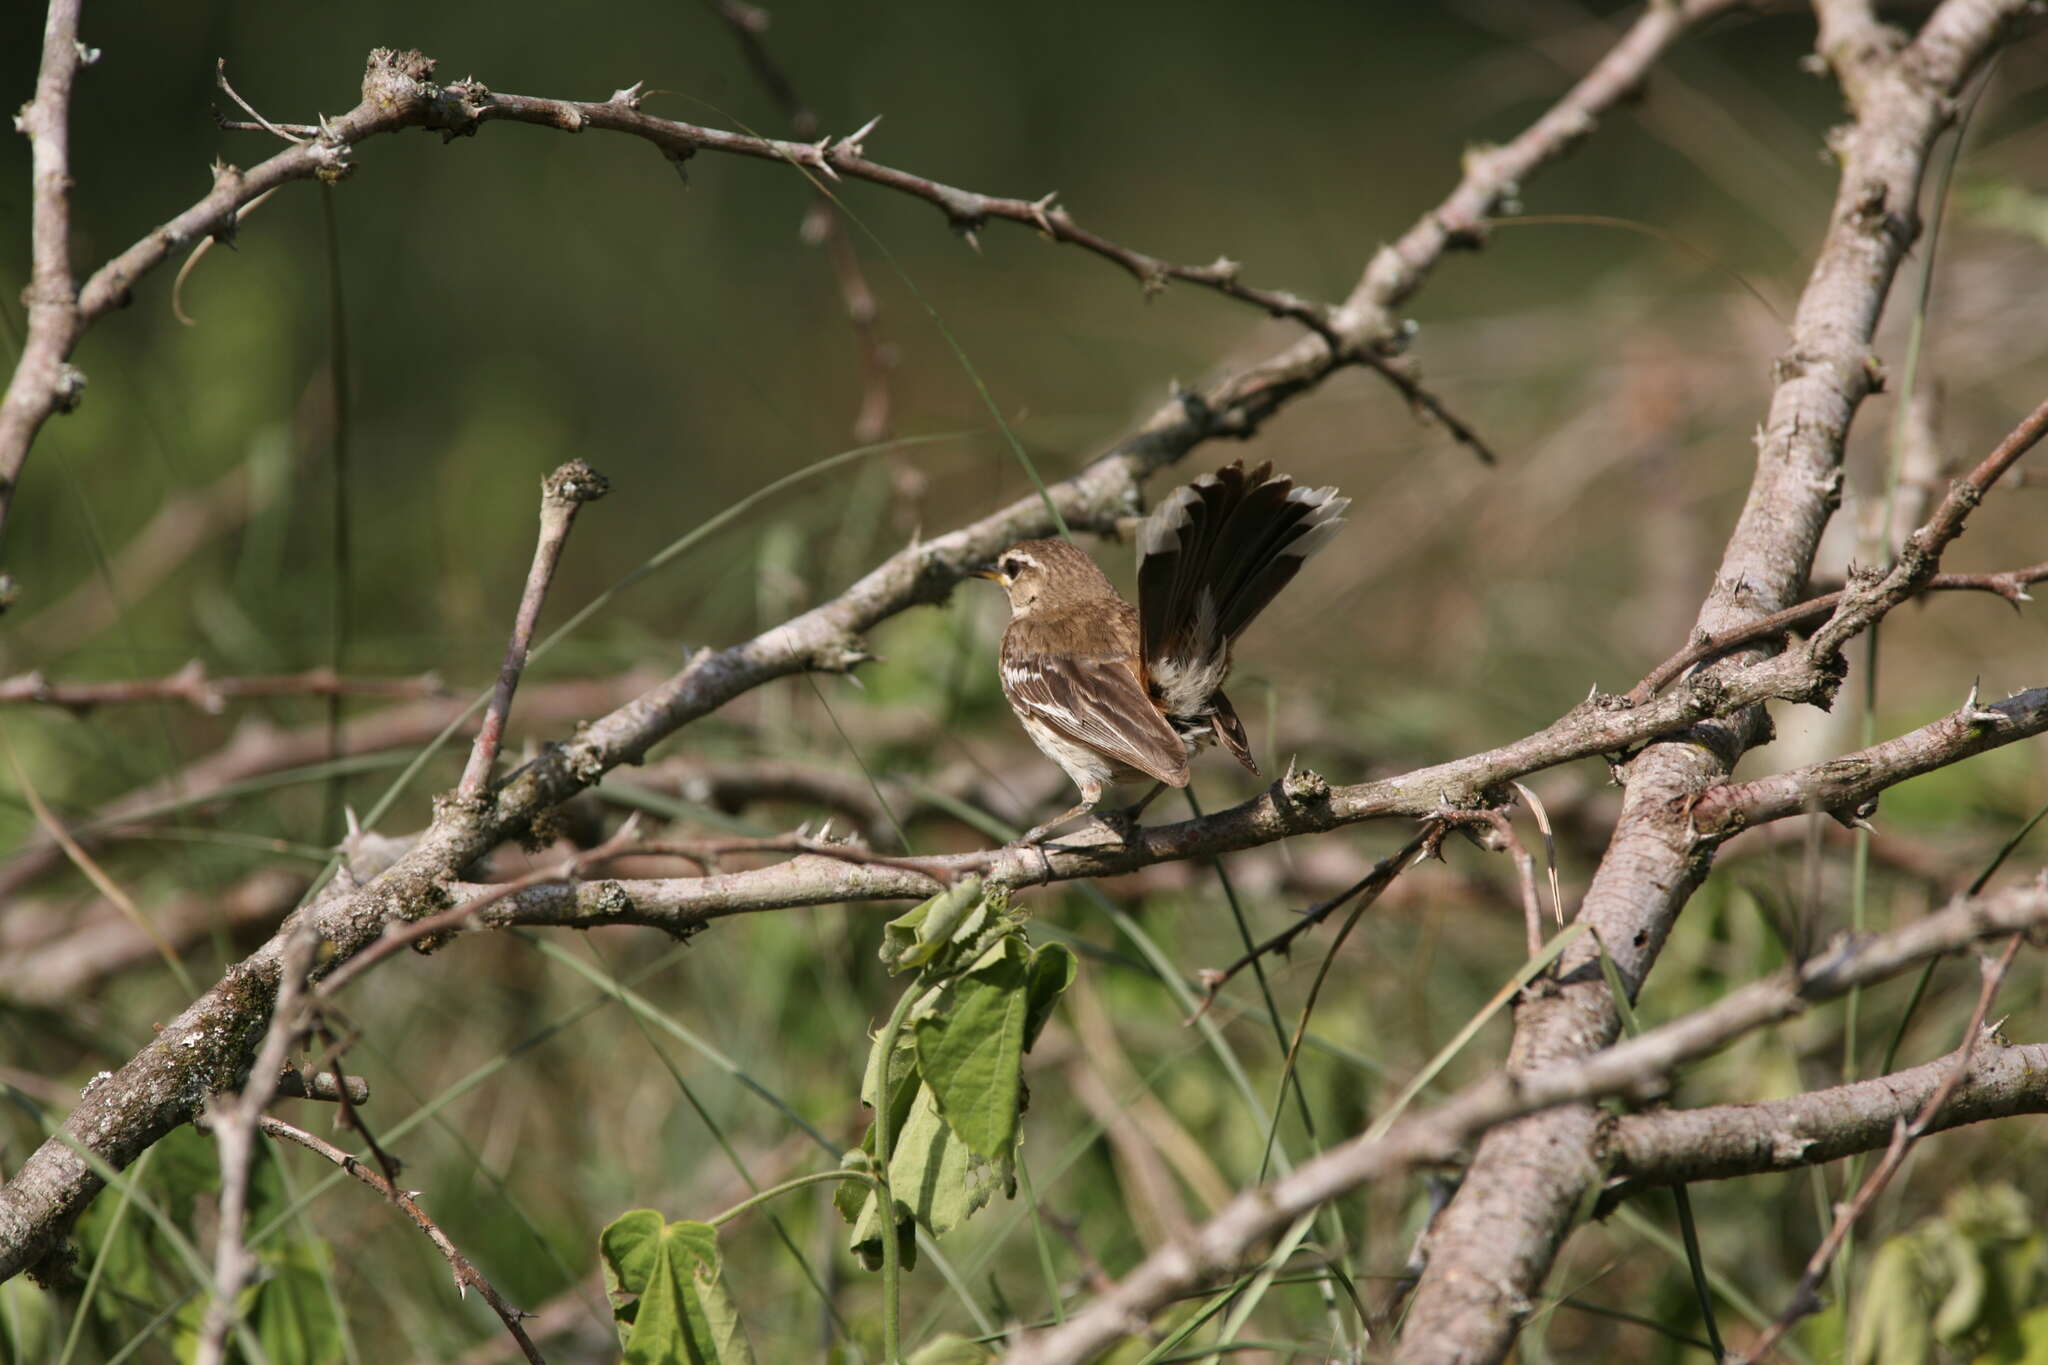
(990, 574)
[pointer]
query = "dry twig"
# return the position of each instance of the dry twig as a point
(467, 1276)
(562, 495)
(195, 687)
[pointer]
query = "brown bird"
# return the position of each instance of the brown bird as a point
(1115, 693)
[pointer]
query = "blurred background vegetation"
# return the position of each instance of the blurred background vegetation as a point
(517, 299)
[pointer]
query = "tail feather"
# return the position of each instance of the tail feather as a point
(1214, 555)
(1286, 551)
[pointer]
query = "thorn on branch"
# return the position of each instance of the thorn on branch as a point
(854, 144)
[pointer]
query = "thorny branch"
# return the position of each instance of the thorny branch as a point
(234, 1132)
(2012, 585)
(398, 93)
(467, 1276)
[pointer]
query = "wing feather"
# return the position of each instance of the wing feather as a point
(1098, 702)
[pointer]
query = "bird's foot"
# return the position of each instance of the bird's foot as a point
(1122, 822)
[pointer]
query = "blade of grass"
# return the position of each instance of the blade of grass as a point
(1729, 1292)
(341, 568)
(92, 1279)
(981, 388)
(1977, 885)
(1526, 973)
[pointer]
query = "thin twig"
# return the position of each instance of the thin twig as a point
(2011, 585)
(1509, 842)
(220, 76)
(347, 1118)
(1806, 1297)
(706, 853)
(467, 1277)
(196, 688)
(1370, 886)
(400, 934)
(823, 226)
(234, 1132)
(562, 494)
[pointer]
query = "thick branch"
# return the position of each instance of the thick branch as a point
(43, 384)
(1640, 1066)
(1848, 785)
(1724, 1141)
(1491, 1249)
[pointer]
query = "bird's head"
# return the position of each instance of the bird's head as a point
(1045, 571)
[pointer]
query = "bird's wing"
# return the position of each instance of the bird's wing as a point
(1098, 702)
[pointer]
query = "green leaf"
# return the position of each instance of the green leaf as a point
(1053, 969)
(684, 1311)
(629, 1246)
(936, 1180)
(972, 1050)
(661, 1333)
(915, 938)
(715, 1318)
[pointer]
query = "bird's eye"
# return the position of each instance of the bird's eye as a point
(1012, 567)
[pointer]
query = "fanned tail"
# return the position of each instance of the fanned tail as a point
(1211, 557)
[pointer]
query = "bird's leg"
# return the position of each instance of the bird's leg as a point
(1091, 793)
(1125, 821)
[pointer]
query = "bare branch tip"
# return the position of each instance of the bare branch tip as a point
(575, 482)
